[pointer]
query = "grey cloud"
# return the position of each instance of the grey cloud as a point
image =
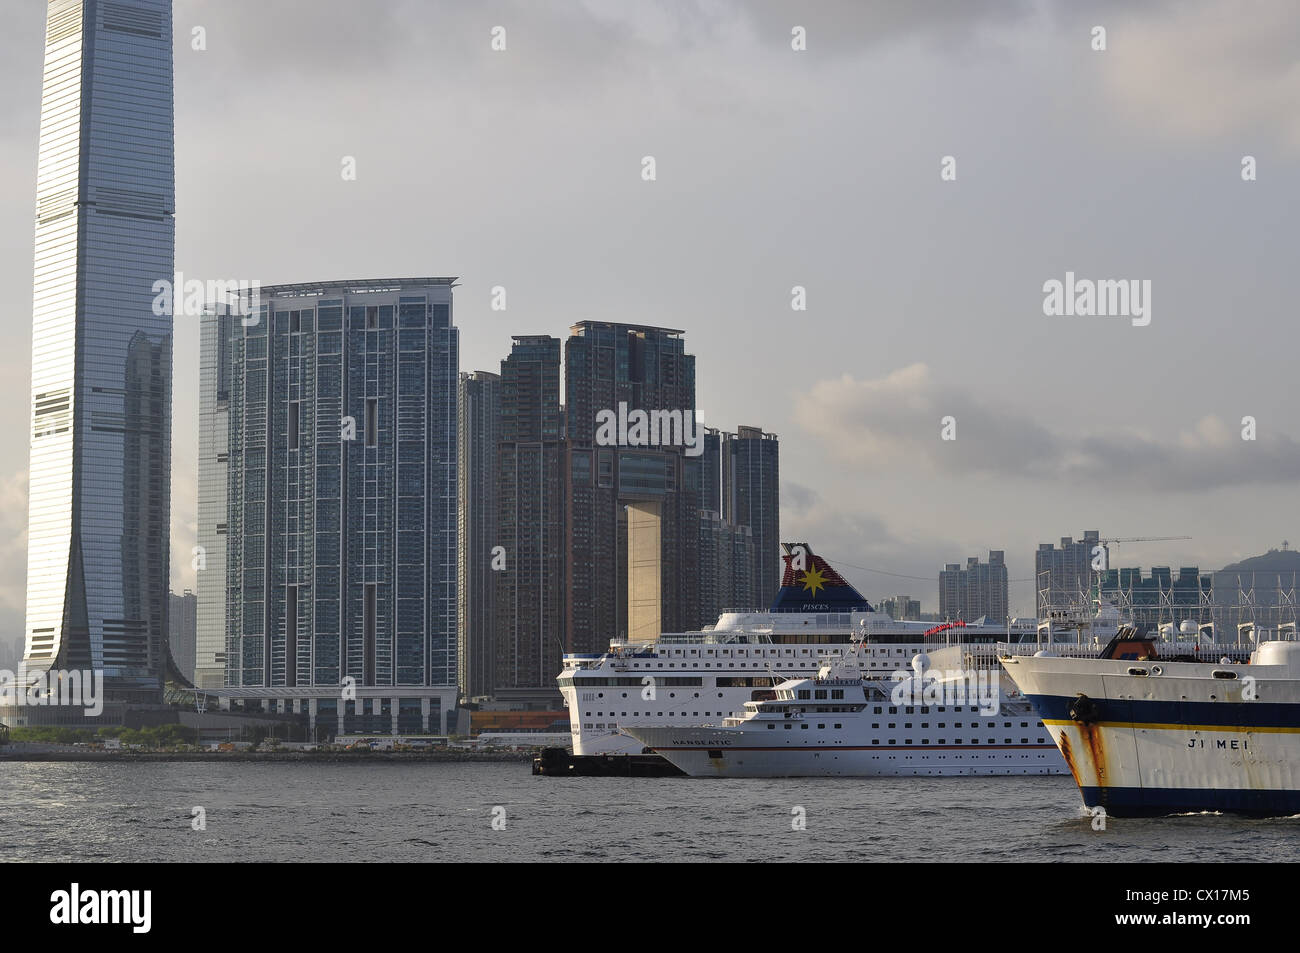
(846, 26)
(1199, 71)
(796, 496)
(567, 40)
(896, 420)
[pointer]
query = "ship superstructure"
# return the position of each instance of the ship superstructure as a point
(700, 678)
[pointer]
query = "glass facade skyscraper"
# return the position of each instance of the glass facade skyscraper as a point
(751, 496)
(215, 331)
(181, 624)
(529, 594)
(99, 509)
(480, 431)
(341, 551)
(647, 368)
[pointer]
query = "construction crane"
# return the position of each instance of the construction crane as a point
(1139, 539)
(1107, 543)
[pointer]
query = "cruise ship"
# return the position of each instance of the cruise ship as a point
(1146, 734)
(846, 722)
(701, 678)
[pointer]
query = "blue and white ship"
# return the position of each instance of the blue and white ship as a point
(1143, 735)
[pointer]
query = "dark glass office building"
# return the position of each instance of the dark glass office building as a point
(99, 509)
(342, 525)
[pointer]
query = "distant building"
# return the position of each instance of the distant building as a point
(1062, 574)
(342, 552)
(710, 463)
(902, 608)
(739, 492)
(1159, 597)
(726, 567)
(975, 591)
(609, 368)
(479, 432)
(751, 479)
(213, 472)
(531, 470)
(181, 619)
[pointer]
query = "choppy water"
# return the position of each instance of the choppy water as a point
(444, 812)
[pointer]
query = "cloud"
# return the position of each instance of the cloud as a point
(866, 550)
(897, 421)
(13, 541)
(1208, 70)
(430, 56)
(184, 528)
(852, 26)
(13, 558)
(797, 497)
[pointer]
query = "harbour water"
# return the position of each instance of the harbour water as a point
(445, 812)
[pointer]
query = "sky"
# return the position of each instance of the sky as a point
(821, 168)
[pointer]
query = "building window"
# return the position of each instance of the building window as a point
(293, 420)
(290, 635)
(369, 625)
(372, 421)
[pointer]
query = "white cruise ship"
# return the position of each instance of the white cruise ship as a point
(846, 722)
(701, 678)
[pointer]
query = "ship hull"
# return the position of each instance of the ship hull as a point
(1151, 738)
(727, 753)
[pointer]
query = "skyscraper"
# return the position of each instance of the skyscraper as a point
(739, 478)
(751, 479)
(215, 330)
(530, 521)
(181, 622)
(99, 508)
(727, 562)
(479, 433)
(1063, 576)
(976, 590)
(638, 368)
(341, 561)
(901, 608)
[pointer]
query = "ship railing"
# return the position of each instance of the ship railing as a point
(728, 637)
(1207, 651)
